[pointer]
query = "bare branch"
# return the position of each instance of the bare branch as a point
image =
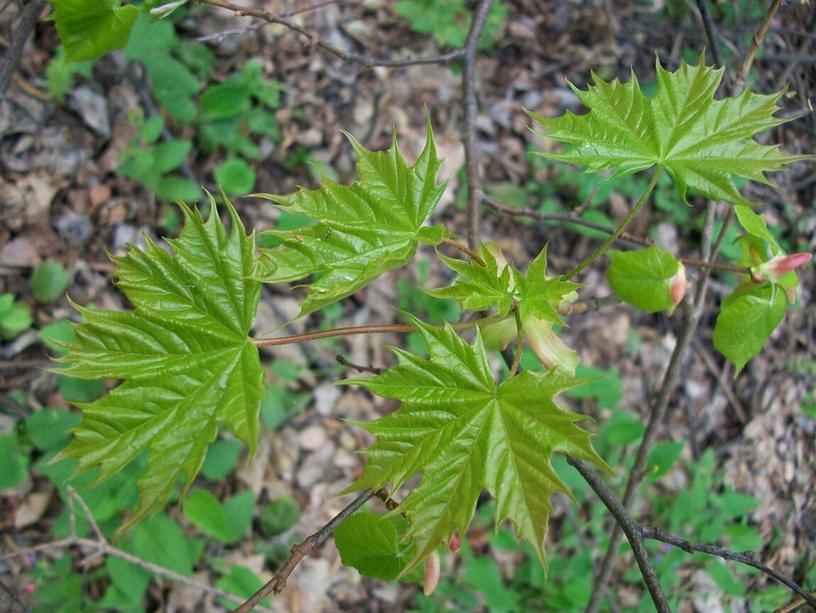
(632, 530)
(23, 29)
(310, 545)
(744, 557)
(471, 109)
(364, 60)
(756, 41)
(563, 217)
(359, 367)
(692, 313)
(464, 249)
(102, 547)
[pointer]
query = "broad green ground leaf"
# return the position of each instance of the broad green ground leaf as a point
(479, 287)
(183, 353)
(373, 544)
(700, 141)
(363, 230)
(89, 29)
(746, 320)
(464, 433)
(227, 522)
(643, 277)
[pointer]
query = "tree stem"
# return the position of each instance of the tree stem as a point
(373, 329)
(618, 231)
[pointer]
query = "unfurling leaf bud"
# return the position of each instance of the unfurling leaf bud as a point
(678, 285)
(779, 265)
(454, 543)
(165, 9)
(431, 577)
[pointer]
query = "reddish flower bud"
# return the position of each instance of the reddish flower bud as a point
(432, 570)
(454, 543)
(678, 285)
(782, 264)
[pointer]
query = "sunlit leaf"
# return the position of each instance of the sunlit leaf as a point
(363, 230)
(464, 433)
(183, 354)
(700, 141)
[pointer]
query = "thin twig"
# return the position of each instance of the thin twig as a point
(471, 109)
(310, 545)
(692, 314)
(72, 493)
(14, 597)
(618, 231)
(562, 217)
(743, 557)
(514, 367)
(632, 530)
(695, 263)
(359, 367)
(372, 329)
(793, 604)
(591, 304)
(624, 236)
(363, 60)
(708, 26)
(722, 381)
(756, 42)
(219, 36)
(23, 29)
(455, 244)
(103, 547)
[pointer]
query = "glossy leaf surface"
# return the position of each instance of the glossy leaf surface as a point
(746, 320)
(183, 354)
(363, 230)
(464, 433)
(478, 287)
(700, 141)
(90, 29)
(643, 277)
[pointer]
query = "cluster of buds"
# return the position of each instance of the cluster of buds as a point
(432, 567)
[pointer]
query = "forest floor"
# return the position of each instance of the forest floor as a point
(65, 198)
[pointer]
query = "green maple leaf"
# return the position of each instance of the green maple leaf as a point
(90, 29)
(700, 141)
(363, 230)
(464, 433)
(539, 296)
(479, 287)
(183, 354)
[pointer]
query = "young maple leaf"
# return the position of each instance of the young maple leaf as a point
(700, 141)
(184, 355)
(363, 230)
(465, 433)
(498, 284)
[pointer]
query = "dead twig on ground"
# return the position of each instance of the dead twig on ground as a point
(23, 29)
(364, 60)
(101, 546)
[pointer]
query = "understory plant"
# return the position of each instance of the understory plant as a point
(188, 363)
